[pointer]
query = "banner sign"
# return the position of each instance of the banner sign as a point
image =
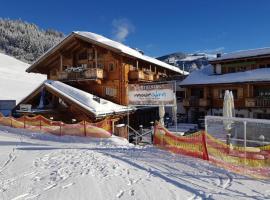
(151, 94)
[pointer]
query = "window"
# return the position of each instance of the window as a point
(262, 92)
(180, 95)
(222, 93)
(110, 92)
(111, 67)
(91, 55)
(197, 92)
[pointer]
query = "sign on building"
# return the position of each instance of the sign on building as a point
(151, 94)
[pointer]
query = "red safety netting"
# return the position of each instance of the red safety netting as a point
(100, 129)
(191, 145)
(251, 161)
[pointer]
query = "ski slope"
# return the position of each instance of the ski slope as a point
(42, 166)
(15, 83)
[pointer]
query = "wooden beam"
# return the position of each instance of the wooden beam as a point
(71, 102)
(61, 63)
(96, 64)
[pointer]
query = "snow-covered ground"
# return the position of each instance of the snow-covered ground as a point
(43, 166)
(14, 81)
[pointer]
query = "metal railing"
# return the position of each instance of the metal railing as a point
(139, 134)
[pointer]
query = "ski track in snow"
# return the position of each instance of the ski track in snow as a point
(11, 158)
(140, 173)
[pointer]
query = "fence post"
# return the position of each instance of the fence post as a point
(60, 128)
(152, 132)
(84, 126)
(205, 152)
(245, 141)
(24, 121)
(39, 124)
(141, 132)
(112, 123)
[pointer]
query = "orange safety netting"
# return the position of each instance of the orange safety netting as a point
(191, 145)
(100, 129)
(252, 161)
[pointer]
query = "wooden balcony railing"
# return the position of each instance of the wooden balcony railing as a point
(92, 73)
(250, 102)
(139, 75)
(257, 102)
(262, 102)
(196, 102)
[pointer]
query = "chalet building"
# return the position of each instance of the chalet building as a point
(88, 77)
(245, 73)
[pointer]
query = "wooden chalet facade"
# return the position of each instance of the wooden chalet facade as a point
(100, 66)
(245, 73)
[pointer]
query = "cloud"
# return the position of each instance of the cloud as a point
(121, 29)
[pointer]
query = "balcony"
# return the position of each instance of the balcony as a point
(250, 102)
(83, 74)
(204, 102)
(262, 102)
(139, 75)
(257, 102)
(196, 102)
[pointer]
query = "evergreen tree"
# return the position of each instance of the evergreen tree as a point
(26, 41)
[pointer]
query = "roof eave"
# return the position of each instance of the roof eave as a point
(216, 61)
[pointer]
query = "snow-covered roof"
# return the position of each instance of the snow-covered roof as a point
(86, 100)
(244, 54)
(121, 48)
(127, 50)
(206, 76)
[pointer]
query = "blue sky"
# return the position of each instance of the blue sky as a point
(156, 27)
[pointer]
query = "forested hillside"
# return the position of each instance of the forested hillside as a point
(26, 41)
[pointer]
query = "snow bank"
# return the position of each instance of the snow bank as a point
(67, 168)
(40, 137)
(206, 76)
(15, 83)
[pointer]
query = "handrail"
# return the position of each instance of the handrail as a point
(138, 134)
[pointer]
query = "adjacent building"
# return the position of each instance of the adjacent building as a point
(245, 73)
